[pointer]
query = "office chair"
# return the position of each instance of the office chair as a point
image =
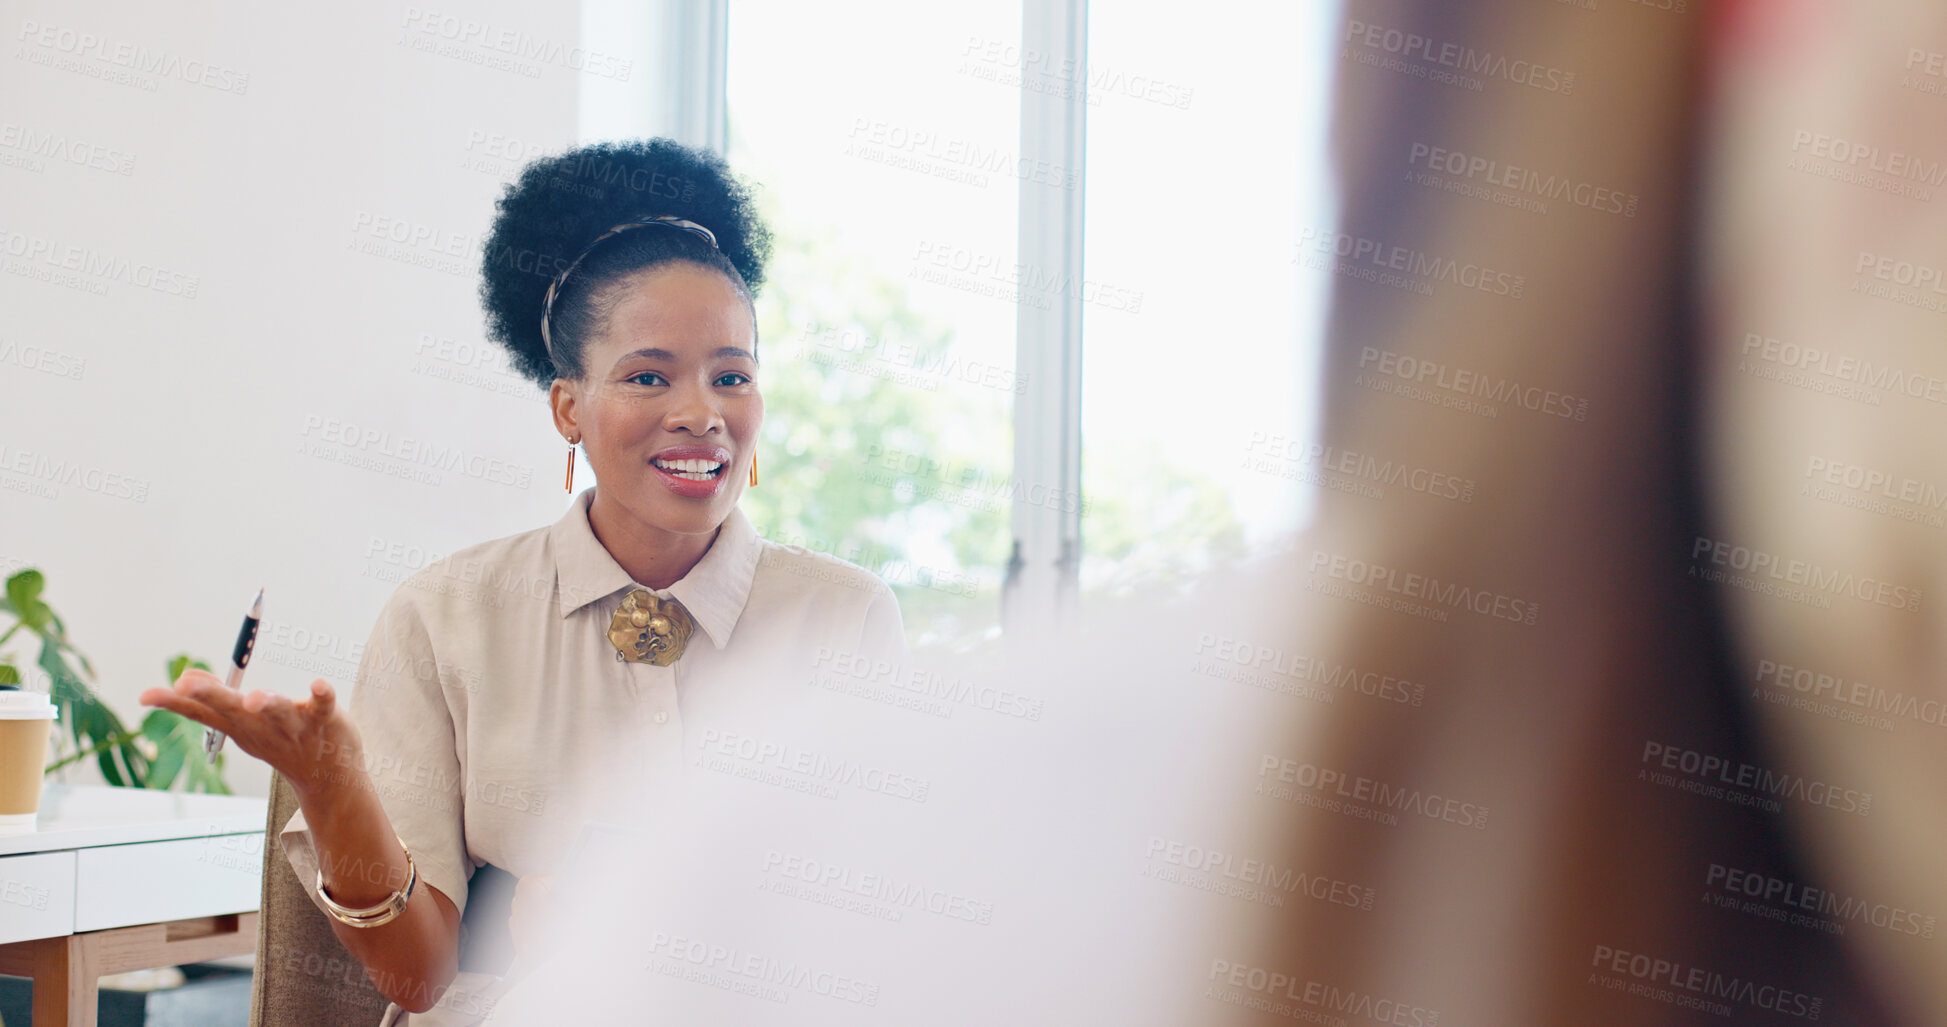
(306, 978)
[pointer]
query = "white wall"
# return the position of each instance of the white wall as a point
(195, 424)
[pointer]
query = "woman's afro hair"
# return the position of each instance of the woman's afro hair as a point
(561, 204)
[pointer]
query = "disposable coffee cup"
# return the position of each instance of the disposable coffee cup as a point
(25, 718)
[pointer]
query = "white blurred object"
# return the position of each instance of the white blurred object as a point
(160, 978)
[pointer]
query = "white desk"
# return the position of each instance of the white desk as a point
(121, 879)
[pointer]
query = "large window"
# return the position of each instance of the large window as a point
(894, 169)
(885, 147)
(1205, 161)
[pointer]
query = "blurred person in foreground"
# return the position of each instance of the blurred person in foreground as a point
(1652, 280)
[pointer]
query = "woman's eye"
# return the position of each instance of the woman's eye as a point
(730, 378)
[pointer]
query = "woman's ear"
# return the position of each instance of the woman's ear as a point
(563, 397)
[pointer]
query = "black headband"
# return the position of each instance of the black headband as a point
(547, 307)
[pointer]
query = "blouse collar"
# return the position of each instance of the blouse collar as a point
(714, 591)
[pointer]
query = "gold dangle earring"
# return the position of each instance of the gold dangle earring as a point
(571, 467)
(753, 470)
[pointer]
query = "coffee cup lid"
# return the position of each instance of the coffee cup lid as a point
(20, 704)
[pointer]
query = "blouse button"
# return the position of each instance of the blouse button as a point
(662, 716)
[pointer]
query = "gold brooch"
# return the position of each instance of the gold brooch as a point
(650, 629)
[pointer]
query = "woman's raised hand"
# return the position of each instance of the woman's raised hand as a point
(311, 741)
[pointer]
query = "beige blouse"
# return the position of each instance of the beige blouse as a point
(489, 689)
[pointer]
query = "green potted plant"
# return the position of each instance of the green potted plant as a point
(166, 748)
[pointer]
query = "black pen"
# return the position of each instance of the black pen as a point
(239, 658)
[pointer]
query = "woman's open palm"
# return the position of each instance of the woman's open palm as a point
(310, 741)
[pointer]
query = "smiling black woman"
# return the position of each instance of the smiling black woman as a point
(505, 685)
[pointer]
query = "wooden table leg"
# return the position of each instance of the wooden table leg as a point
(67, 971)
(65, 975)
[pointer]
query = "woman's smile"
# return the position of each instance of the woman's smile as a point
(694, 472)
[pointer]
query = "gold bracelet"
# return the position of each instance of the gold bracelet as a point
(372, 916)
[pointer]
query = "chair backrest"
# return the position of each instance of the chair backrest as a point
(305, 978)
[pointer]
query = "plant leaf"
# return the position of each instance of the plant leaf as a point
(134, 760)
(168, 733)
(160, 724)
(179, 755)
(60, 635)
(67, 685)
(28, 582)
(24, 591)
(106, 760)
(181, 662)
(91, 723)
(205, 776)
(167, 764)
(9, 674)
